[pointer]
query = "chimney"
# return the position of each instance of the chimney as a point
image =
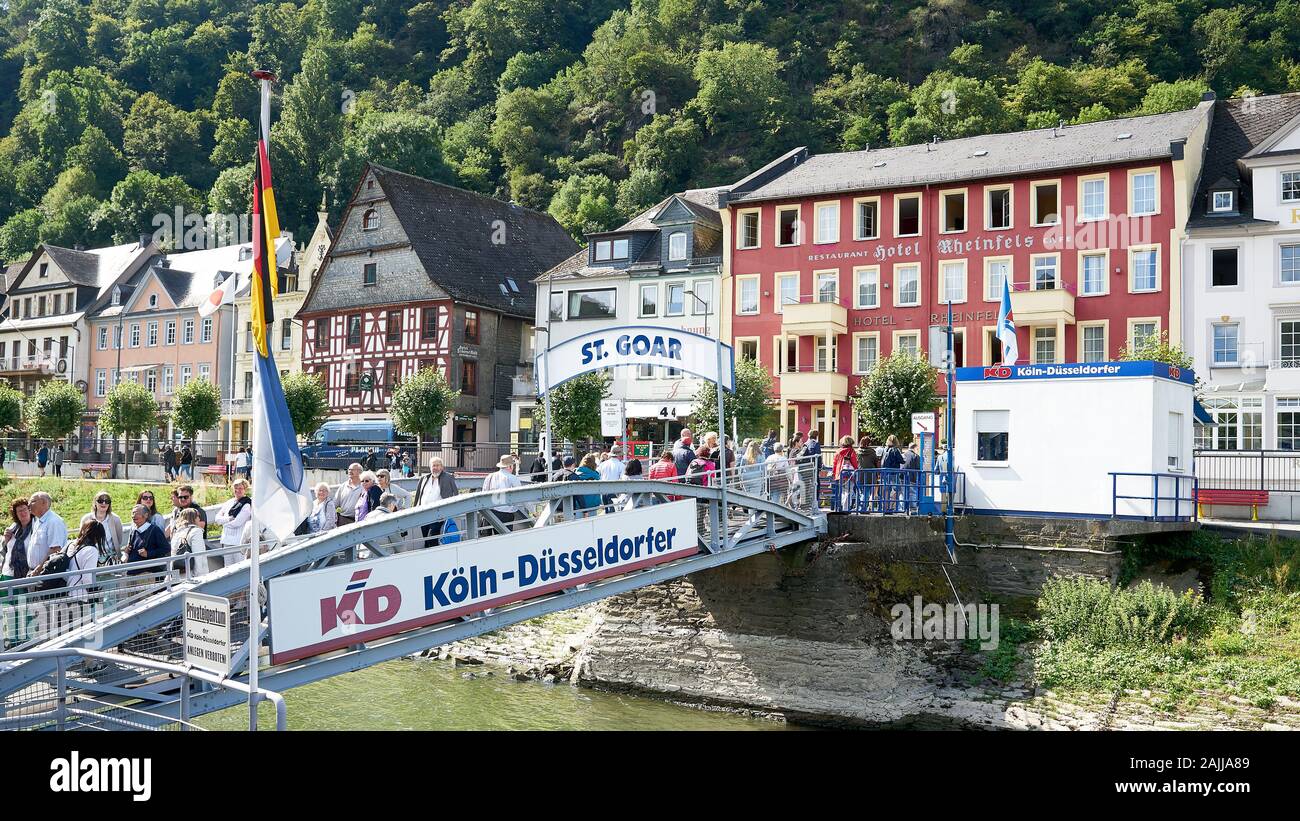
(145, 239)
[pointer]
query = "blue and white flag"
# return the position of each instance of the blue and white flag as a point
(1006, 328)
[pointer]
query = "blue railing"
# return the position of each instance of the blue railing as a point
(1184, 506)
(891, 490)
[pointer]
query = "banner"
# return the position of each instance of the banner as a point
(1077, 370)
(635, 345)
(336, 607)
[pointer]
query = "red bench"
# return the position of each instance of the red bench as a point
(95, 471)
(212, 472)
(1254, 498)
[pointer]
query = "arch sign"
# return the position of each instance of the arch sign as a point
(636, 345)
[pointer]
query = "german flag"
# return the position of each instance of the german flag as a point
(266, 229)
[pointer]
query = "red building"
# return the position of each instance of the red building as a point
(835, 261)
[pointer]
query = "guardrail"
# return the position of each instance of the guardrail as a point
(892, 490)
(1161, 504)
(1270, 470)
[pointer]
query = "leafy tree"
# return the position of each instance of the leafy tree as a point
(750, 403)
(20, 235)
(11, 408)
(304, 393)
(54, 411)
(75, 224)
(947, 107)
(100, 157)
(141, 197)
(1176, 96)
(160, 137)
(900, 386)
(422, 403)
(196, 406)
(129, 410)
(576, 408)
(585, 204)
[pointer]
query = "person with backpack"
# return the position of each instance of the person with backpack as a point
(844, 469)
(893, 461)
(769, 444)
(187, 540)
(82, 553)
(699, 472)
(587, 471)
(42, 457)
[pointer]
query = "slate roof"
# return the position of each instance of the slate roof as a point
(1239, 125)
(983, 157)
(451, 231)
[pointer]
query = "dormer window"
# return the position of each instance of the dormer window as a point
(1222, 202)
(611, 249)
(245, 252)
(370, 221)
(117, 296)
(153, 300)
(677, 246)
(45, 269)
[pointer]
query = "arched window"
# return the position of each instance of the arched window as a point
(370, 221)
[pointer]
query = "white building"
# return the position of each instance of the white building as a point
(661, 269)
(1071, 438)
(1242, 290)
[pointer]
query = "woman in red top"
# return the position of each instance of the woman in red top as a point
(665, 470)
(846, 461)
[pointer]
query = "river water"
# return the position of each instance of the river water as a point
(438, 695)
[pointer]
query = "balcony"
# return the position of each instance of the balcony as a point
(36, 364)
(1283, 374)
(810, 317)
(236, 407)
(523, 386)
(811, 385)
(1042, 306)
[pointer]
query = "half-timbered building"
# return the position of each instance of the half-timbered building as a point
(421, 274)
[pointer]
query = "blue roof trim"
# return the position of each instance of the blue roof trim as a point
(1077, 370)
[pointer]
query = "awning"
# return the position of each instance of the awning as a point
(140, 368)
(1202, 415)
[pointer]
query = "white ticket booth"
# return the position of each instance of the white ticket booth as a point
(1080, 439)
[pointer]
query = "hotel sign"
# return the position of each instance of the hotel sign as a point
(999, 243)
(958, 317)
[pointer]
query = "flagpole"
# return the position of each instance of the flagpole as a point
(254, 566)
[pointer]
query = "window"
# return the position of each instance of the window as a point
(1289, 343)
(369, 274)
(117, 337)
(645, 371)
(1092, 274)
(103, 337)
(824, 354)
(591, 304)
(1094, 343)
(787, 286)
(1175, 432)
(675, 305)
(1291, 186)
(205, 372)
(354, 331)
(153, 300)
(748, 349)
(1221, 202)
(169, 335)
(370, 221)
(1144, 267)
(747, 295)
(1289, 263)
(248, 337)
(58, 304)
(393, 328)
(429, 317)
(286, 334)
(953, 217)
(1144, 200)
(749, 231)
(18, 309)
(1045, 269)
(677, 245)
(471, 327)
(1223, 267)
(101, 382)
(866, 353)
(1092, 198)
(611, 249)
(205, 335)
(392, 374)
(702, 304)
(866, 221)
(186, 372)
(169, 382)
(909, 343)
(153, 335)
(557, 307)
(321, 338)
(1141, 330)
(649, 300)
(907, 215)
(998, 208)
(151, 381)
(828, 286)
(1238, 424)
(1044, 346)
(1288, 423)
(44, 269)
(187, 334)
(827, 228)
(907, 285)
(135, 335)
(867, 287)
(952, 279)
(992, 435)
(351, 378)
(787, 226)
(997, 270)
(1225, 344)
(1046, 196)
(469, 377)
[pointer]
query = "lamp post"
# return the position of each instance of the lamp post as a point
(722, 425)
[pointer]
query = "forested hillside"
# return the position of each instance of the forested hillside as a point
(114, 110)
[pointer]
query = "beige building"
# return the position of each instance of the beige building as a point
(286, 336)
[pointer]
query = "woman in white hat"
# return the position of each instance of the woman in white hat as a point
(504, 479)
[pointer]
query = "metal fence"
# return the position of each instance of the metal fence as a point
(1269, 470)
(892, 490)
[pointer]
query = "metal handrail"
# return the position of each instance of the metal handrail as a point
(1156, 498)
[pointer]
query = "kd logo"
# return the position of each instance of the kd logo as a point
(997, 372)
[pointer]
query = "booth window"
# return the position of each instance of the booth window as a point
(992, 433)
(1175, 441)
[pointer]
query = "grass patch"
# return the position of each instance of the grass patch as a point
(72, 497)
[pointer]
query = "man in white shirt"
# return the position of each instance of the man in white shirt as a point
(348, 493)
(49, 533)
(504, 479)
(611, 470)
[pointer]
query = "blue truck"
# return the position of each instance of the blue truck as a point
(340, 442)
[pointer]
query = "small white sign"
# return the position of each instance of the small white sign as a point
(207, 633)
(611, 417)
(658, 410)
(924, 423)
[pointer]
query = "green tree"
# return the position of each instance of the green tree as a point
(20, 235)
(900, 386)
(160, 137)
(140, 198)
(309, 406)
(422, 403)
(750, 403)
(54, 411)
(576, 408)
(1176, 96)
(11, 409)
(585, 204)
(947, 107)
(129, 410)
(196, 406)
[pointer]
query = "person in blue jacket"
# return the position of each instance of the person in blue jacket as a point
(588, 502)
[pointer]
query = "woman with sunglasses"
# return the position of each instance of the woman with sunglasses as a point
(101, 510)
(156, 519)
